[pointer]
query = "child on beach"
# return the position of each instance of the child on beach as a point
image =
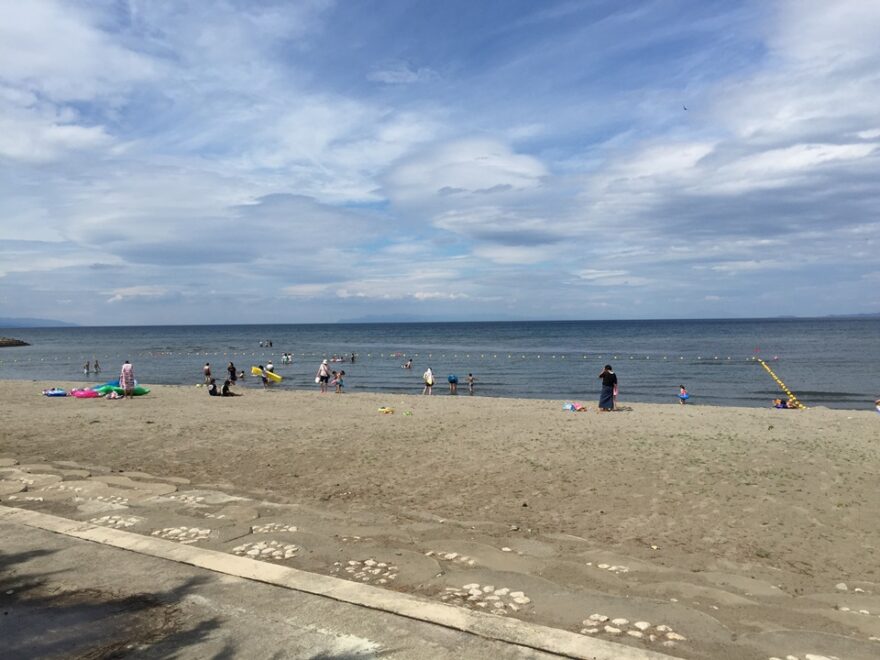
(226, 391)
(264, 375)
(683, 395)
(97, 368)
(339, 382)
(86, 368)
(206, 371)
(470, 383)
(428, 377)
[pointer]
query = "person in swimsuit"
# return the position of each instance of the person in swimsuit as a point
(470, 382)
(340, 377)
(226, 391)
(323, 375)
(428, 377)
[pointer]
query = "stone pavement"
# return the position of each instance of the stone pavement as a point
(65, 598)
(524, 585)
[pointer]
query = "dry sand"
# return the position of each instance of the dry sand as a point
(744, 519)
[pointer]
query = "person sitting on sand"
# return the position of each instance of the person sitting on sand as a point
(226, 391)
(212, 388)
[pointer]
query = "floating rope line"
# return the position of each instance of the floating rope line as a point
(783, 386)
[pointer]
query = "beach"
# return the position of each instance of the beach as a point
(745, 521)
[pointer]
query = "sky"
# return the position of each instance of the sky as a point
(309, 161)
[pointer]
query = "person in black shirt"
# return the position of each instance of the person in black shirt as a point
(212, 388)
(609, 380)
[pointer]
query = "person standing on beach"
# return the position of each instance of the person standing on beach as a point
(206, 370)
(453, 383)
(126, 380)
(428, 377)
(323, 375)
(683, 395)
(609, 382)
(470, 382)
(233, 374)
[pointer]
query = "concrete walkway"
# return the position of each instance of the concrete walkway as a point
(67, 597)
(63, 597)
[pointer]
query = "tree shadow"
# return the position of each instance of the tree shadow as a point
(39, 619)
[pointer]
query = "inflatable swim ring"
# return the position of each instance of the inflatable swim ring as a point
(85, 394)
(54, 391)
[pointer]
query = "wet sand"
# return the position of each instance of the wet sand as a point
(746, 518)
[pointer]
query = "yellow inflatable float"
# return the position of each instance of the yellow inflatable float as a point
(275, 378)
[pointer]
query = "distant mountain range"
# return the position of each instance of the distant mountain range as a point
(20, 322)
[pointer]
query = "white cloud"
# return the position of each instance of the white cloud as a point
(57, 50)
(471, 167)
(149, 292)
(401, 73)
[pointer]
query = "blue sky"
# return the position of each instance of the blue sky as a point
(217, 162)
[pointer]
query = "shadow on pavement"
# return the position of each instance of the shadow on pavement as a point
(40, 618)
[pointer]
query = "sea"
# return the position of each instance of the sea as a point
(825, 362)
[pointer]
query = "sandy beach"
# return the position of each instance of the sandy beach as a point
(746, 521)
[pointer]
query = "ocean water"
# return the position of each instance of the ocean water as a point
(825, 362)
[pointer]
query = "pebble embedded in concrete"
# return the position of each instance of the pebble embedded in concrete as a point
(271, 528)
(185, 535)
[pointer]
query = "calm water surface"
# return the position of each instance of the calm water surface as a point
(827, 362)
